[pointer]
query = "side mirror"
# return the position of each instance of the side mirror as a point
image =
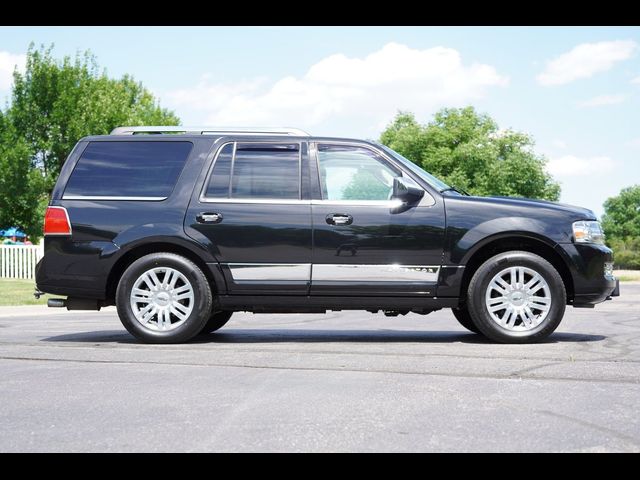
(407, 190)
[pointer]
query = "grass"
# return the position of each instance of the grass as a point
(629, 278)
(18, 292)
(627, 275)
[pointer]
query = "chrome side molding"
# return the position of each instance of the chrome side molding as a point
(294, 272)
(302, 272)
(374, 273)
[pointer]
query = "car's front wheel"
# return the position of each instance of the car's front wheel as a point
(164, 298)
(516, 297)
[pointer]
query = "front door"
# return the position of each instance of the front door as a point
(363, 243)
(252, 217)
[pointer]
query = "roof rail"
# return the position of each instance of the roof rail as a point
(208, 131)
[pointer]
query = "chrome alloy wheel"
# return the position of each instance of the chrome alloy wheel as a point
(518, 298)
(162, 299)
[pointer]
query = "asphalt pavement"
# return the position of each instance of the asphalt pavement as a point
(345, 381)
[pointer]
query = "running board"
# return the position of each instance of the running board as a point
(319, 304)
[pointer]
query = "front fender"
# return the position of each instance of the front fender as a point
(463, 245)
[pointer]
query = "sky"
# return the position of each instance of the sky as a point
(576, 90)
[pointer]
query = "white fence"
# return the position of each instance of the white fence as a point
(19, 261)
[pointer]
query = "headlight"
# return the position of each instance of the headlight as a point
(587, 232)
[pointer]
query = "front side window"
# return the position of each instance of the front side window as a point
(354, 173)
(420, 172)
(128, 169)
(256, 171)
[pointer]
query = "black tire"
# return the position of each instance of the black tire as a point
(478, 288)
(216, 322)
(464, 319)
(202, 299)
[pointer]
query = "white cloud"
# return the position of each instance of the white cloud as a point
(365, 91)
(636, 80)
(570, 165)
(634, 143)
(602, 100)
(8, 62)
(585, 60)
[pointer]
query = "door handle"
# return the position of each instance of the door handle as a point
(209, 217)
(339, 219)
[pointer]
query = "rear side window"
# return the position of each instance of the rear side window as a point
(256, 171)
(128, 169)
(218, 186)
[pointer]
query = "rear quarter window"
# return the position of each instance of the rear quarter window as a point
(128, 169)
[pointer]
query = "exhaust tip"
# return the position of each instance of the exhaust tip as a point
(56, 302)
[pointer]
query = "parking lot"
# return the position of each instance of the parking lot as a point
(345, 381)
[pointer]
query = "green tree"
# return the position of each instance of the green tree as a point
(621, 222)
(468, 150)
(21, 185)
(626, 252)
(622, 214)
(53, 104)
(365, 186)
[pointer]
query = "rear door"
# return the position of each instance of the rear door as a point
(252, 215)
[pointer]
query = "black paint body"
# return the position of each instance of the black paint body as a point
(450, 232)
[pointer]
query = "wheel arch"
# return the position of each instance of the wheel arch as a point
(515, 241)
(139, 251)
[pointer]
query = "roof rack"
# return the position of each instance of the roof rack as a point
(151, 130)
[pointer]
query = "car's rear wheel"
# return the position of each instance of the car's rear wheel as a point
(464, 318)
(216, 322)
(516, 297)
(164, 298)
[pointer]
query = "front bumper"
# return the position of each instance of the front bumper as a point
(616, 291)
(587, 266)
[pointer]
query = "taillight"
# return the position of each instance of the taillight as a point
(56, 221)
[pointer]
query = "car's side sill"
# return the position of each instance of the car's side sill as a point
(314, 304)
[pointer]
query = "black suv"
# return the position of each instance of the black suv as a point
(180, 227)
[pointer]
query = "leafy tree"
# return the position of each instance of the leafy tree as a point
(21, 185)
(468, 150)
(626, 252)
(622, 214)
(365, 186)
(621, 222)
(54, 103)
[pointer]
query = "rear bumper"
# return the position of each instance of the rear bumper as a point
(77, 269)
(587, 264)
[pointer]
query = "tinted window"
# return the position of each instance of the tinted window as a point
(218, 186)
(266, 171)
(128, 169)
(426, 176)
(354, 173)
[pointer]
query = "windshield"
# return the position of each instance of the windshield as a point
(426, 176)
